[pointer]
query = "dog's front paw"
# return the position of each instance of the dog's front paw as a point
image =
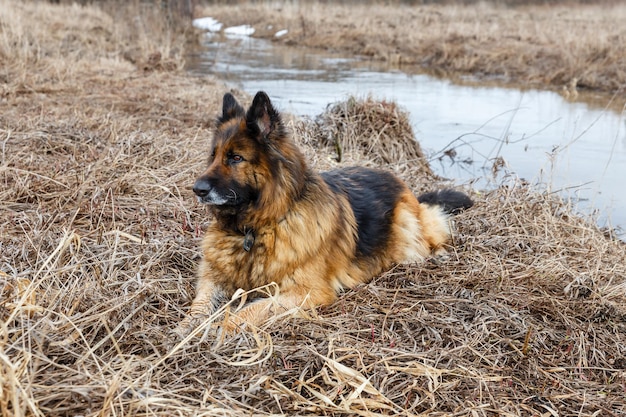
(173, 337)
(181, 331)
(196, 326)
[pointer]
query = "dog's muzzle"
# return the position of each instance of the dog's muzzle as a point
(207, 194)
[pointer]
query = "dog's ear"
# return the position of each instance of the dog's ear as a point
(230, 109)
(262, 118)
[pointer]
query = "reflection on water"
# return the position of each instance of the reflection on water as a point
(576, 148)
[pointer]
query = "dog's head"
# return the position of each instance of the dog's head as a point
(247, 155)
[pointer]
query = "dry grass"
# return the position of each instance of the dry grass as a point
(555, 46)
(99, 246)
(40, 44)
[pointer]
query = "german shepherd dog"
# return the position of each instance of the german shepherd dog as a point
(275, 220)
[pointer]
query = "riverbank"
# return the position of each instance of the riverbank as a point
(569, 47)
(102, 134)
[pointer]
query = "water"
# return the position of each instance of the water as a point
(575, 148)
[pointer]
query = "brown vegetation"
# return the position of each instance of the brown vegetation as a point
(99, 233)
(557, 46)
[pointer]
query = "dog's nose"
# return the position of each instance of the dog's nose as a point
(201, 187)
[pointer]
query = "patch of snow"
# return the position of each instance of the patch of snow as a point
(243, 30)
(207, 23)
(281, 33)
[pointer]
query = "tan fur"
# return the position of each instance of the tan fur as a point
(305, 238)
(308, 254)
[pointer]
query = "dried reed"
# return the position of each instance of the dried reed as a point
(570, 46)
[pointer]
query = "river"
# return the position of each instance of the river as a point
(576, 148)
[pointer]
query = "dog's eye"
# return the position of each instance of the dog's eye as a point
(235, 159)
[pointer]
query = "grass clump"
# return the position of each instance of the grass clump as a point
(379, 130)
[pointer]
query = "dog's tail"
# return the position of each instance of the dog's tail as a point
(450, 201)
